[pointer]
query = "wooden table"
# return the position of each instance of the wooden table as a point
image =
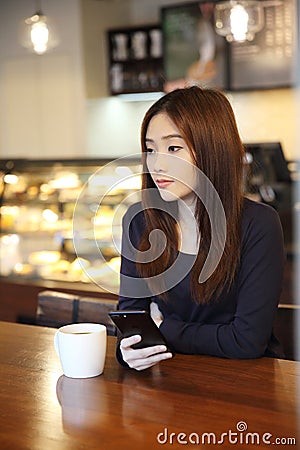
(40, 409)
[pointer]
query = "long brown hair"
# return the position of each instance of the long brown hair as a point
(206, 122)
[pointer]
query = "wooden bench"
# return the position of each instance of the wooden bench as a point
(56, 309)
(91, 310)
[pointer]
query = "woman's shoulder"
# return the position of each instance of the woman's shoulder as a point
(253, 208)
(259, 216)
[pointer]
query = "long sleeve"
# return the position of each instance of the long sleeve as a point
(257, 290)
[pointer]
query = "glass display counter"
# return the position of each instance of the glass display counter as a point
(45, 203)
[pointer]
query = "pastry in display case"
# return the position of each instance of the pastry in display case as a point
(61, 220)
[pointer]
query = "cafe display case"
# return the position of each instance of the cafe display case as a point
(60, 222)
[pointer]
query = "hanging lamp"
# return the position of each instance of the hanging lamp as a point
(38, 34)
(239, 20)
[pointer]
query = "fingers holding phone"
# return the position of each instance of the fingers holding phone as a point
(142, 358)
(143, 345)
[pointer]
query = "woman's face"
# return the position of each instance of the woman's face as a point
(169, 160)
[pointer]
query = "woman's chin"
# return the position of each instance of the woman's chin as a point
(168, 196)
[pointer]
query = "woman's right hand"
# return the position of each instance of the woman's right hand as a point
(142, 358)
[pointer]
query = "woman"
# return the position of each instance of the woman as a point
(193, 179)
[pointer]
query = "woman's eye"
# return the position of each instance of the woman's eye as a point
(174, 148)
(149, 150)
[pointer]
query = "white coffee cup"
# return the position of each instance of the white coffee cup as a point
(81, 348)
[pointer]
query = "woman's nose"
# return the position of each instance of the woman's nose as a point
(160, 163)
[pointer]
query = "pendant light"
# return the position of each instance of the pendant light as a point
(38, 34)
(239, 20)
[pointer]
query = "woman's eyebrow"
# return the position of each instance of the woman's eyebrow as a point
(168, 136)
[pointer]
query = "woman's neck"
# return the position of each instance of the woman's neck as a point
(187, 210)
(187, 227)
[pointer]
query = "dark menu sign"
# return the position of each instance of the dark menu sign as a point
(270, 59)
(193, 50)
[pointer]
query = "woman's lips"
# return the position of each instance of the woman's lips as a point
(163, 183)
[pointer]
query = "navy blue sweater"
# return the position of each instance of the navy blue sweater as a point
(237, 325)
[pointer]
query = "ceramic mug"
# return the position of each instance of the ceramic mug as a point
(81, 348)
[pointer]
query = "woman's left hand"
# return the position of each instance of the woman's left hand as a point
(156, 314)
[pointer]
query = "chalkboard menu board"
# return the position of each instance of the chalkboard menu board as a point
(193, 50)
(270, 59)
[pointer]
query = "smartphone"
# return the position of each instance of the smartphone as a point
(138, 322)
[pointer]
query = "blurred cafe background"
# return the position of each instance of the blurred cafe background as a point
(76, 77)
